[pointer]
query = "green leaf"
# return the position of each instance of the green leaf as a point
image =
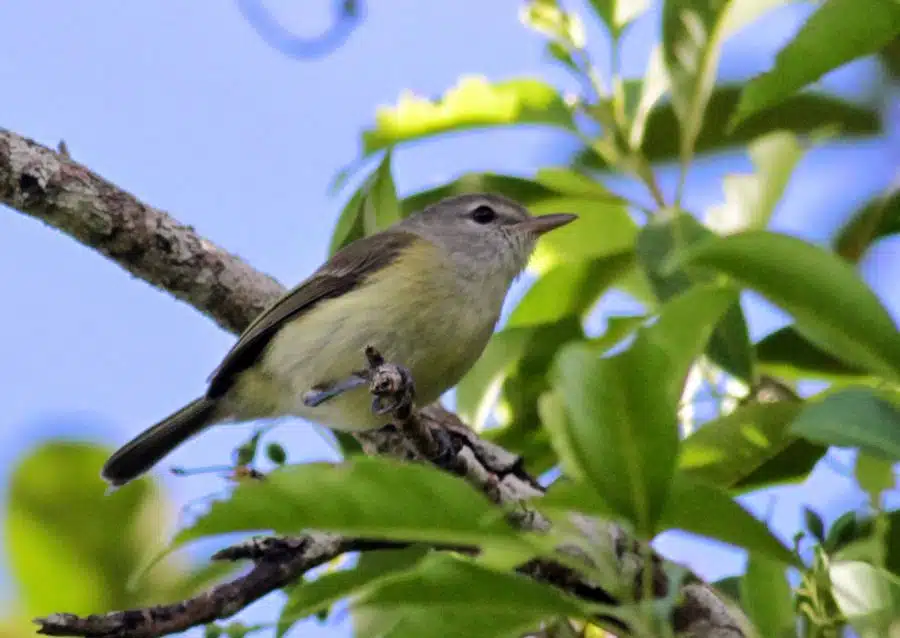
(814, 524)
(877, 219)
(730, 586)
(703, 509)
(446, 582)
(473, 103)
(372, 207)
(569, 289)
(653, 88)
(838, 32)
(618, 14)
(622, 429)
(862, 593)
(479, 388)
(832, 306)
(520, 428)
(349, 225)
(852, 417)
(750, 199)
(567, 181)
(546, 17)
(378, 622)
(380, 205)
(364, 497)
(729, 449)
(60, 557)
(767, 598)
(693, 33)
(801, 114)
(571, 494)
(787, 353)
(307, 598)
(874, 475)
(604, 227)
(657, 243)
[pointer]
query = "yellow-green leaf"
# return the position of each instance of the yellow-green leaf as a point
(473, 103)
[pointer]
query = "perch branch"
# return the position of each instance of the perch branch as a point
(150, 244)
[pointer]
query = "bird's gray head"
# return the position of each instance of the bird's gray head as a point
(486, 234)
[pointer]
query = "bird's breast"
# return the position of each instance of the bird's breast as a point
(416, 312)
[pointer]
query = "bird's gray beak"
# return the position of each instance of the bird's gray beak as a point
(546, 223)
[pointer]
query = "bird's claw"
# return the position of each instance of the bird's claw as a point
(392, 388)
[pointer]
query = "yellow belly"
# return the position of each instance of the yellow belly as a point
(424, 320)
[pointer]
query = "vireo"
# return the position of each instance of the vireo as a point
(426, 293)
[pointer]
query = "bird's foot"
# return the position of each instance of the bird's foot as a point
(391, 385)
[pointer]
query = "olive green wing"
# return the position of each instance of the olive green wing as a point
(346, 270)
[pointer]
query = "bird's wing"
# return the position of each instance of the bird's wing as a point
(346, 270)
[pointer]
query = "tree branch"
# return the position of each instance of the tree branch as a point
(153, 246)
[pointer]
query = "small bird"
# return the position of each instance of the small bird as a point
(426, 293)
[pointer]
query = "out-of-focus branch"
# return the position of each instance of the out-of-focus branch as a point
(150, 244)
(347, 14)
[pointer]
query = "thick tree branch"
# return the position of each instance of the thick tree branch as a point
(143, 240)
(151, 245)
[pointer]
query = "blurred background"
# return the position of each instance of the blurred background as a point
(193, 108)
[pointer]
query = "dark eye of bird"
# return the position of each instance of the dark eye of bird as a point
(484, 214)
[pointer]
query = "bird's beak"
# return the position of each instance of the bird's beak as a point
(546, 223)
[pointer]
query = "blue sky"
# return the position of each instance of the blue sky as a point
(183, 105)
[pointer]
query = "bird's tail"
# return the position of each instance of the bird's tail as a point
(150, 446)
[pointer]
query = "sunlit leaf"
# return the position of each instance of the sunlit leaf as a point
(832, 306)
(604, 227)
(728, 450)
(661, 240)
(862, 594)
(473, 103)
(618, 14)
(365, 497)
(751, 198)
(767, 598)
(476, 390)
(697, 507)
(548, 18)
(569, 289)
(852, 417)
(653, 88)
(838, 32)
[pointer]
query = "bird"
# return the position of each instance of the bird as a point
(426, 293)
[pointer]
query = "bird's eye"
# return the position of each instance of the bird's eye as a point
(484, 214)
